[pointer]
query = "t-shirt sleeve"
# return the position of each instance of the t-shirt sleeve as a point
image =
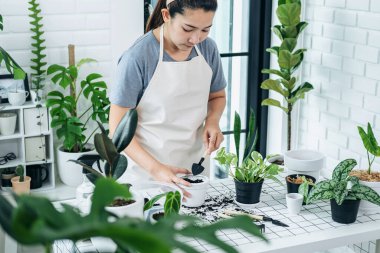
(128, 85)
(218, 81)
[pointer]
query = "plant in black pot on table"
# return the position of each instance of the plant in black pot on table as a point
(248, 175)
(299, 183)
(344, 192)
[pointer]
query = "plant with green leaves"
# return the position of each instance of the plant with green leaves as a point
(69, 124)
(289, 59)
(172, 203)
(253, 168)
(38, 63)
(10, 64)
(342, 186)
(371, 145)
(36, 221)
(20, 172)
(109, 150)
(303, 189)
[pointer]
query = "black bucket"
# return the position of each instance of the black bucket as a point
(248, 193)
(345, 213)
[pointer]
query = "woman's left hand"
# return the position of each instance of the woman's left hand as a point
(212, 136)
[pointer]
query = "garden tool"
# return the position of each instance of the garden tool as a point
(197, 168)
(257, 217)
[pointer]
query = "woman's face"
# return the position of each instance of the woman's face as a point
(189, 29)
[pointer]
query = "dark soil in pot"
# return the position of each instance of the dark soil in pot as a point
(158, 216)
(345, 213)
(122, 202)
(248, 193)
(196, 181)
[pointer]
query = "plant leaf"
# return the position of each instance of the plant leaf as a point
(148, 205)
(274, 85)
(343, 169)
(120, 166)
(274, 102)
(289, 14)
(364, 192)
(125, 130)
(322, 190)
(172, 203)
(237, 132)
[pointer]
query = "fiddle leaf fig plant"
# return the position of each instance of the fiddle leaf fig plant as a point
(109, 150)
(342, 186)
(289, 59)
(10, 64)
(371, 145)
(253, 167)
(35, 220)
(69, 123)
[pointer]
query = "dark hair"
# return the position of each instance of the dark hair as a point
(177, 6)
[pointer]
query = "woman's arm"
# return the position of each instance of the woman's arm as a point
(159, 171)
(212, 135)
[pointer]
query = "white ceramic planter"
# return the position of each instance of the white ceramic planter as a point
(303, 161)
(70, 172)
(197, 191)
(8, 123)
(367, 207)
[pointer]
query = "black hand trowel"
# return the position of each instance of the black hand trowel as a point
(197, 168)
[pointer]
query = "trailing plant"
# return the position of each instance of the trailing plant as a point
(289, 59)
(371, 145)
(172, 203)
(38, 63)
(253, 167)
(342, 186)
(109, 150)
(69, 124)
(20, 172)
(35, 220)
(10, 64)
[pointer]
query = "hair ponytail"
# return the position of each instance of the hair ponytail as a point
(177, 6)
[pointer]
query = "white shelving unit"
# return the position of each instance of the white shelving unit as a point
(32, 142)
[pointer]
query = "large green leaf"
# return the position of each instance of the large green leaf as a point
(274, 85)
(300, 92)
(125, 130)
(340, 191)
(252, 135)
(289, 14)
(288, 60)
(365, 193)
(172, 203)
(148, 205)
(343, 169)
(120, 165)
(63, 76)
(369, 140)
(11, 65)
(275, 72)
(237, 132)
(274, 102)
(322, 190)
(105, 147)
(288, 44)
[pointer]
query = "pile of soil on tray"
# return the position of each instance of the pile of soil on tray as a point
(364, 176)
(195, 181)
(122, 202)
(158, 216)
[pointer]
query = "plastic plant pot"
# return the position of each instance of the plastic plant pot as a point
(198, 189)
(248, 193)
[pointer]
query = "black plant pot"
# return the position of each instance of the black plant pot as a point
(345, 213)
(293, 188)
(6, 179)
(248, 193)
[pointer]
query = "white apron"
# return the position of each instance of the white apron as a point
(171, 114)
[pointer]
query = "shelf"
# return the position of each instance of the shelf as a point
(37, 134)
(28, 104)
(9, 137)
(39, 162)
(12, 163)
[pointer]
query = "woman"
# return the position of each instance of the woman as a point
(173, 77)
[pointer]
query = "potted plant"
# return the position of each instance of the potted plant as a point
(171, 206)
(298, 183)
(21, 183)
(6, 175)
(198, 189)
(369, 177)
(69, 122)
(344, 192)
(248, 175)
(289, 59)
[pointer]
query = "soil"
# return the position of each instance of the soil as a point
(298, 180)
(278, 161)
(196, 181)
(122, 202)
(158, 216)
(364, 176)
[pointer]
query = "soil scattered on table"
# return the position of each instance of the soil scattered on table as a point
(195, 181)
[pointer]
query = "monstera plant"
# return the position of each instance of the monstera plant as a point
(289, 59)
(10, 64)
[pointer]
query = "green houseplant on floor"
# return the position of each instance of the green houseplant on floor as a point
(250, 170)
(289, 59)
(70, 121)
(344, 192)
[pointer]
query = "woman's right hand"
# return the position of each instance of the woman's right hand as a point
(167, 173)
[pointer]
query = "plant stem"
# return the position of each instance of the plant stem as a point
(84, 112)
(289, 113)
(370, 162)
(90, 136)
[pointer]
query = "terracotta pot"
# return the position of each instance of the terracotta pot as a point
(21, 187)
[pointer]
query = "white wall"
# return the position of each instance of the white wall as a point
(342, 62)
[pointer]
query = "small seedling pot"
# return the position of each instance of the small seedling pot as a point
(293, 187)
(198, 189)
(248, 193)
(154, 214)
(134, 210)
(345, 213)
(21, 187)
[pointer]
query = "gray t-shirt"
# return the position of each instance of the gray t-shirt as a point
(137, 65)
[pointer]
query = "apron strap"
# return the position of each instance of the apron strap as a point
(160, 59)
(198, 51)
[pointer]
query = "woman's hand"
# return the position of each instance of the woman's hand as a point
(212, 136)
(167, 173)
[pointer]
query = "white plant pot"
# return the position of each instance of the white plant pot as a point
(17, 98)
(197, 191)
(303, 161)
(152, 211)
(367, 207)
(70, 172)
(8, 123)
